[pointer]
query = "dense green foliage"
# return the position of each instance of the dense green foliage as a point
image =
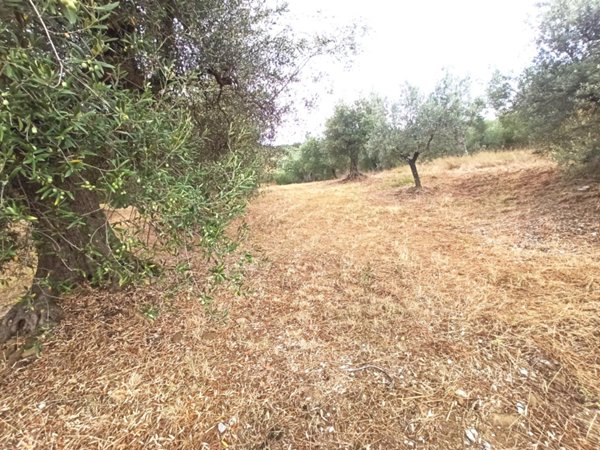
(557, 99)
(347, 133)
(348, 146)
(510, 128)
(157, 105)
(308, 161)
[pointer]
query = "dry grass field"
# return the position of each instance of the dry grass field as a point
(465, 316)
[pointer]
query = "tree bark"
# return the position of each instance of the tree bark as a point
(412, 162)
(354, 173)
(67, 256)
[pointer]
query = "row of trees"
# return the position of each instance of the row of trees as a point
(553, 105)
(157, 105)
(373, 134)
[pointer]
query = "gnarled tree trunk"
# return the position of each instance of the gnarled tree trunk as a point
(67, 256)
(354, 173)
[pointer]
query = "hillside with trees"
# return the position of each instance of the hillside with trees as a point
(552, 106)
(421, 272)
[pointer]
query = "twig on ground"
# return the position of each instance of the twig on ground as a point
(389, 379)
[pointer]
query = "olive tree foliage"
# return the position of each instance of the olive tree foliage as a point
(376, 154)
(306, 162)
(318, 159)
(315, 164)
(559, 94)
(509, 130)
(157, 105)
(347, 134)
(433, 124)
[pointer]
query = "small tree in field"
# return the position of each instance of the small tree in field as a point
(434, 124)
(347, 133)
(158, 105)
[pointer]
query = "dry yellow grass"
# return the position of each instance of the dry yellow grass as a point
(472, 311)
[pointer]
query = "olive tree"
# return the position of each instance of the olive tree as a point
(509, 130)
(376, 154)
(559, 94)
(347, 133)
(434, 124)
(157, 105)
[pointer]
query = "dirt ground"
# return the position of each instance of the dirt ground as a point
(465, 316)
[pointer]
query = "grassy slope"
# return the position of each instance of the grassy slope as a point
(479, 298)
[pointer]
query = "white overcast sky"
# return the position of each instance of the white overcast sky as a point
(408, 41)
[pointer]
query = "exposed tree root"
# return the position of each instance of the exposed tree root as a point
(353, 176)
(28, 316)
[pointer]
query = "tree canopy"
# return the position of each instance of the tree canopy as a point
(559, 95)
(347, 133)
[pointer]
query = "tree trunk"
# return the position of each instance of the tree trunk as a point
(354, 173)
(412, 162)
(333, 172)
(67, 256)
